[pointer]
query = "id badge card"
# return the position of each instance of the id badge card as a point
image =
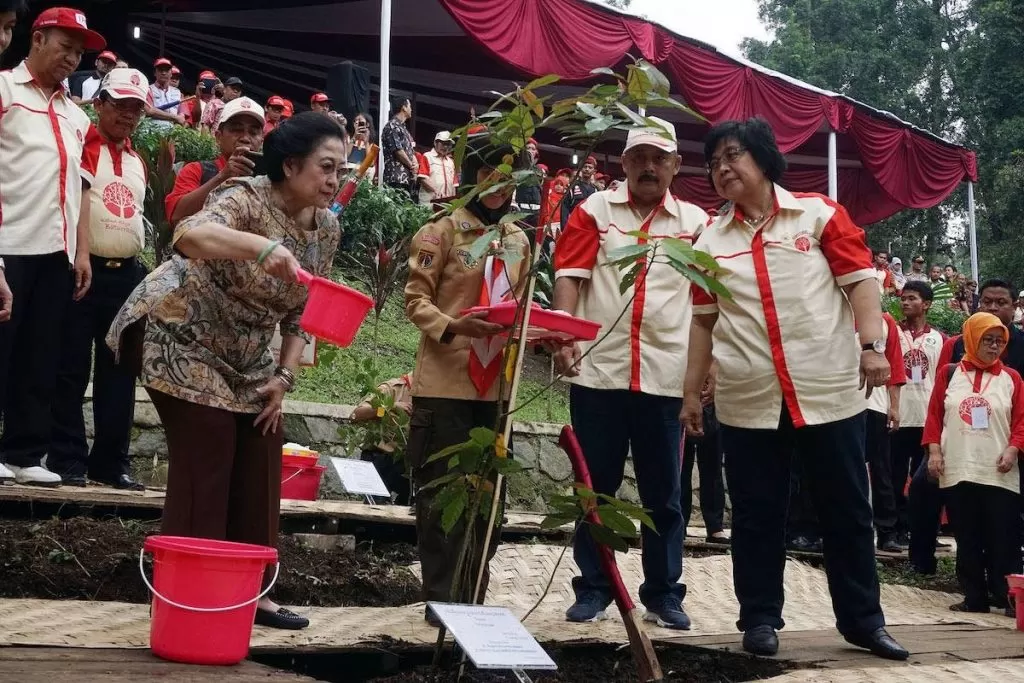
(979, 417)
(916, 374)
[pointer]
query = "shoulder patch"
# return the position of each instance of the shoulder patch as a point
(431, 239)
(426, 259)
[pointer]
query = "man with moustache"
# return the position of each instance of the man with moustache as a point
(627, 393)
(44, 232)
(116, 238)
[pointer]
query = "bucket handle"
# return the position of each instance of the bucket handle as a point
(304, 276)
(145, 580)
(293, 475)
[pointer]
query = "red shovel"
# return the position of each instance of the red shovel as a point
(643, 652)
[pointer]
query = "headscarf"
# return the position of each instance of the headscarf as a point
(896, 268)
(974, 329)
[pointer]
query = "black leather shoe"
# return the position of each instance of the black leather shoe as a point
(880, 643)
(73, 480)
(804, 545)
(887, 544)
(282, 618)
(718, 540)
(122, 482)
(761, 640)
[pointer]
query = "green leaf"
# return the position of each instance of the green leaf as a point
(549, 79)
(617, 522)
(590, 110)
(450, 450)
(482, 436)
(583, 491)
(555, 521)
(626, 254)
(483, 243)
(470, 459)
(678, 250)
(629, 277)
(460, 149)
(507, 466)
(657, 80)
(602, 70)
(441, 481)
(633, 117)
(604, 536)
(452, 513)
(513, 217)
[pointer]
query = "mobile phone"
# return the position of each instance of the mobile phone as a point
(257, 159)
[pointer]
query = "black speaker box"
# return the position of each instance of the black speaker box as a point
(348, 86)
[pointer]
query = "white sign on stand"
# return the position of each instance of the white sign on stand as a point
(492, 637)
(360, 477)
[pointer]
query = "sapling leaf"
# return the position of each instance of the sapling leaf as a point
(452, 512)
(602, 535)
(542, 81)
(617, 522)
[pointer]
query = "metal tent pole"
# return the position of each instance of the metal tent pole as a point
(385, 78)
(973, 231)
(833, 167)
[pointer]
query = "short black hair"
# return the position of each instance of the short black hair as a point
(876, 252)
(922, 288)
(996, 283)
(16, 6)
(296, 138)
(397, 102)
(754, 134)
(950, 265)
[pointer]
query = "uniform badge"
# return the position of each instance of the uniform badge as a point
(432, 239)
(466, 258)
(426, 259)
(802, 243)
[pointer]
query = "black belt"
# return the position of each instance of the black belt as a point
(112, 263)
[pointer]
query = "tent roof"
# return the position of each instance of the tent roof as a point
(449, 54)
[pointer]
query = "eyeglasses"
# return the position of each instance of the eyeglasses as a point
(993, 342)
(729, 156)
(128, 106)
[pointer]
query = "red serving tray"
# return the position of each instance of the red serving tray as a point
(544, 324)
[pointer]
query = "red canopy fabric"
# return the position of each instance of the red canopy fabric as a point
(901, 167)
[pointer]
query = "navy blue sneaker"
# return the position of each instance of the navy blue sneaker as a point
(589, 606)
(669, 614)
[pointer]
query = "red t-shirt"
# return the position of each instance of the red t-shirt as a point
(188, 181)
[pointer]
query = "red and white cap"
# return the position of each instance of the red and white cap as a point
(71, 20)
(207, 76)
(319, 97)
(162, 62)
(276, 101)
(175, 71)
(108, 56)
(661, 135)
(239, 106)
(122, 84)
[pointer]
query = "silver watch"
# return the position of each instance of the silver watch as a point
(878, 346)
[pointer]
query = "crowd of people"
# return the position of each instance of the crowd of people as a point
(797, 375)
(950, 287)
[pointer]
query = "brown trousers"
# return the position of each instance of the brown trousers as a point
(224, 478)
(435, 424)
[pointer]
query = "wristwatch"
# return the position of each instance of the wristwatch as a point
(2, 264)
(878, 346)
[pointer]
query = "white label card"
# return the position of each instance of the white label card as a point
(360, 477)
(916, 375)
(979, 417)
(492, 637)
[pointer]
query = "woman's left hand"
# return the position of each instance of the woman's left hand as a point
(1006, 460)
(874, 371)
(273, 392)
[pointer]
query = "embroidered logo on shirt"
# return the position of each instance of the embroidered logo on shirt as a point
(915, 357)
(432, 239)
(802, 243)
(969, 404)
(466, 258)
(119, 200)
(426, 259)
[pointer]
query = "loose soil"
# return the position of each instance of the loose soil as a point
(88, 559)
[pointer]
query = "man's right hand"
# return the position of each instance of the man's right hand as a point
(474, 325)
(692, 416)
(6, 299)
(567, 360)
(238, 165)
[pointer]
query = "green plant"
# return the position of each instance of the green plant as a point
(379, 215)
(940, 316)
(391, 425)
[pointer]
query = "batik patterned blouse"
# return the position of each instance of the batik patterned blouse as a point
(210, 322)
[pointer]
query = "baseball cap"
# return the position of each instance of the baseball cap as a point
(276, 101)
(542, 167)
(319, 97)
(71, 20)
(662, 136)
(443, 136)
(590, 160)
(162, 62)
(919, 259)
(241, 105)
(123, 84)
(207, 76)
(289, 109)
(234, 81)
(108, 55)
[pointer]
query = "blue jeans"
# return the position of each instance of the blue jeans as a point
(609, 425)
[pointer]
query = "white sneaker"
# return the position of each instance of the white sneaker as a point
(35, 476)
(6, 476)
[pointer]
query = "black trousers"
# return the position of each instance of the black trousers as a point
(706, 451)
(906, 453)
(876, 446)
(29, 350)
(986, 524)
(801, 517)
(757, 468)
(435, 424)
(924, 507)
(113, 389)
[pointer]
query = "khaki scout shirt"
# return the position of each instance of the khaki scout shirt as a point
(445, 279)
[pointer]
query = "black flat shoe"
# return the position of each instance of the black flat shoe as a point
(888, 544)
(73, 480)
(282, 618)
(718, 540)
(122, 482)
(964, 607)
(761, 640)
(880, 643)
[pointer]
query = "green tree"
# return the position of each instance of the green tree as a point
(619, 4)
(904, 56)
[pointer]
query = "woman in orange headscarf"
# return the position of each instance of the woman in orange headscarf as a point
(974, 432)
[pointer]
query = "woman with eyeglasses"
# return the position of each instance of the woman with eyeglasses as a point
(792, 381)
(974, 432)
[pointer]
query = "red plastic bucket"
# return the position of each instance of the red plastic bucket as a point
(300, 477)
(1016, 583)
(204, 597)
(333, 312)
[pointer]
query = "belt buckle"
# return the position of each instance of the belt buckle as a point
(113, 263)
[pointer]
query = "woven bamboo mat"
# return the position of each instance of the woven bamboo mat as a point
(1001, 670)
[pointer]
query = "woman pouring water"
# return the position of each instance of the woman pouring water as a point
(209, 319)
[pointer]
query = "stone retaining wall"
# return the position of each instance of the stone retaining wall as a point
(316, 425)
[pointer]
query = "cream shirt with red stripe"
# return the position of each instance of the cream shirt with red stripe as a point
(41, 141)
(970, 453)
(646, 350)
(440, 171)
(919, 351)
(788, 331)
(879, 399)
(116, 197)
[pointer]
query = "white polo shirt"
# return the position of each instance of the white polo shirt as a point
(787, 333)
(440, 171)
(646, 350)
(41, 141)
(159, 97)
(116, 228)
(921, 362)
